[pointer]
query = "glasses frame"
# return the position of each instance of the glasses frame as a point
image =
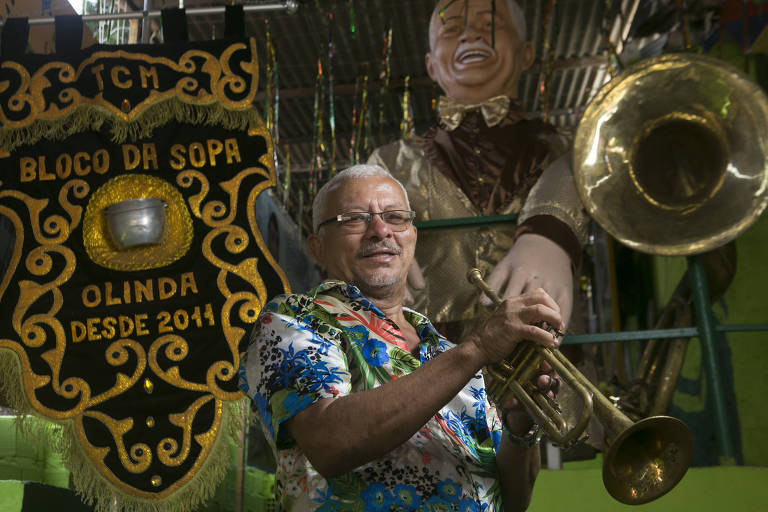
(339, 219)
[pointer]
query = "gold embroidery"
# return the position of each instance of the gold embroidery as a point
(225, 86)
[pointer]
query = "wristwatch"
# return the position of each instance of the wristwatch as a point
(532, 438)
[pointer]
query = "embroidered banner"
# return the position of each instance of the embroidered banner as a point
(129, 175)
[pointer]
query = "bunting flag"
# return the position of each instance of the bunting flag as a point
(129, 175)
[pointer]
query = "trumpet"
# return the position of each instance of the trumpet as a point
(644, 460)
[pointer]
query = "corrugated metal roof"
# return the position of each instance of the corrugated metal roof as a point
(577, 38)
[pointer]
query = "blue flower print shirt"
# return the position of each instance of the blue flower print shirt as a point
(333, 342)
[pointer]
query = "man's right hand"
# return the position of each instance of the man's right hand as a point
(516, 319)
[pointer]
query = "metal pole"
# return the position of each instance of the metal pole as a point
(145, 23)
(705, 320)
(289, 6)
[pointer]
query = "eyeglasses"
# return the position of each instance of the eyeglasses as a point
(358, 222)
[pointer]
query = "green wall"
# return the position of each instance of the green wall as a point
(744, 303)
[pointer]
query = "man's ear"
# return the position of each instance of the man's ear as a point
(316, 248)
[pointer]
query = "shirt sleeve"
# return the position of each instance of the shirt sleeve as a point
(288, 366)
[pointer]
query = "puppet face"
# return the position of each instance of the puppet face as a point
(465, 60)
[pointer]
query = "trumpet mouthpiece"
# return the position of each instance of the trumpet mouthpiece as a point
(474, 275)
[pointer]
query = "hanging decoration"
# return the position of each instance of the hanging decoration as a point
(406, 125)
(548, 59)
(286, 192)
(126, 330)
(318, 145)
(384, 75)
(352, 28)
(272, 95)
(684, 22)
(331, 106)
(300, 217)
(359, 117)
(615, 65)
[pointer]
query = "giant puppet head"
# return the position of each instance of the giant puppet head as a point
(478, 48)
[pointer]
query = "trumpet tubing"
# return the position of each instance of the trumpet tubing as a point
(645, 459)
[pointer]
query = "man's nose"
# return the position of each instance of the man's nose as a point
(377, 227)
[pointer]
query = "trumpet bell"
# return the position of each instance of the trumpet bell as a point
(671, 156)
(647, 459)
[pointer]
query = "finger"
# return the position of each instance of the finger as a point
(516, 284)
(495, 282)
(537, 335)
(540, 296)
(538, 313)
(415, 278)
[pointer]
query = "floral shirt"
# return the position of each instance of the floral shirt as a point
(332, 342)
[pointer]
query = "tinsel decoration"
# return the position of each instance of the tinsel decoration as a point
(331, 106)
(548, 59)
(686, 27)
(406, 125)
(615, 64)
(352, 28)
(355, 114)
(300, 217)
(287, 180)
(318, 145)
(272, 95)
(367, 144)
(384, 75)
(360, 118)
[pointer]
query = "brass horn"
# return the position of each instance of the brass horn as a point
(644, 460)
(671, 156)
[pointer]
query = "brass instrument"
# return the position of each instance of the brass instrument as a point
(659, 368)
(644, 460)
(671, 156)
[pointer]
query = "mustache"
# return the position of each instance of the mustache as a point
(475, 45)
(370, 247)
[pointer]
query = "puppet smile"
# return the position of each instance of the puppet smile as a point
(472, 56)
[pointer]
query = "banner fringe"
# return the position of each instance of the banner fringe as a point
(93, 118)
(89, 484)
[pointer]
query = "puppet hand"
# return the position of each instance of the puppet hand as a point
(414, 281)
(535, 262)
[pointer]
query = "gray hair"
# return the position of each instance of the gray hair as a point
(515, 12)
(355, 172)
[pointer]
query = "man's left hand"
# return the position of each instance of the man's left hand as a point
(515, 417)
(535, 262)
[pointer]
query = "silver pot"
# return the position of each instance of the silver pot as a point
(136, 222)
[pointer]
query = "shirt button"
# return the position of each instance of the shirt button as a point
(480, 180)
(477, 151)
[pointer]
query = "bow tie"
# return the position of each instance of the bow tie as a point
(452, 112)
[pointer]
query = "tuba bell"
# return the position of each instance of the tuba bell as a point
(670, 157)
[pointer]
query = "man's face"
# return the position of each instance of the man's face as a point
(377, 260)
(462, 59)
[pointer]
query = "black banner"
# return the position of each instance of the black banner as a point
(134, 348)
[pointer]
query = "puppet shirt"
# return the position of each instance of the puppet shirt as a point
(333, 342)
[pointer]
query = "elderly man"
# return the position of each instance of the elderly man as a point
(485, 157)
(365, 404)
